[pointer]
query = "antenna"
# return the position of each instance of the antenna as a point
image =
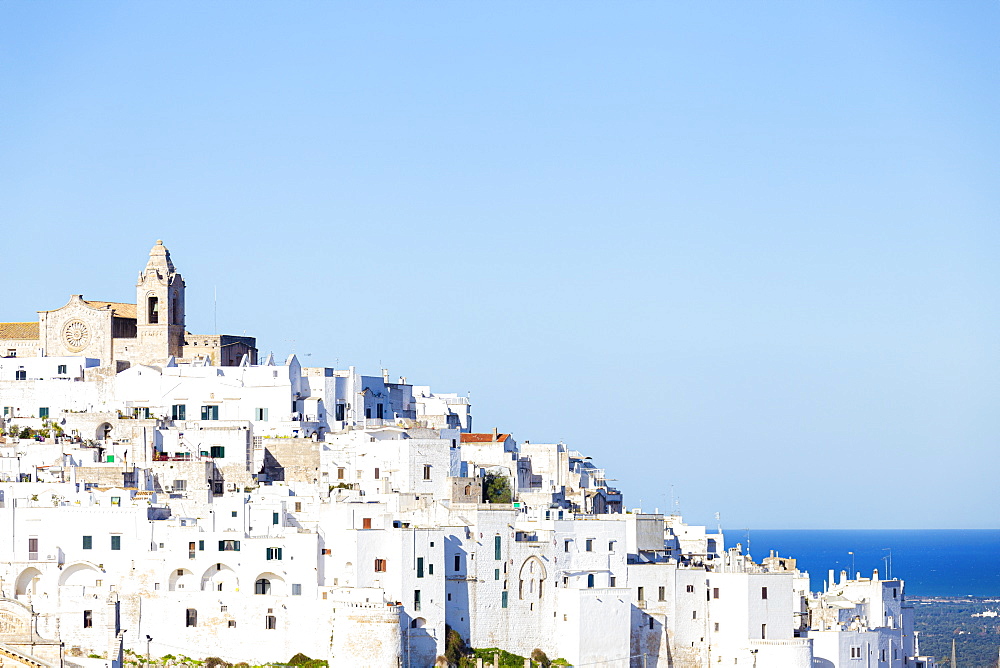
(215, 308)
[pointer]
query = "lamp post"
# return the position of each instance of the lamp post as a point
(149, 639)
(889, 550)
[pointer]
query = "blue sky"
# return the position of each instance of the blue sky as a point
(743, 251)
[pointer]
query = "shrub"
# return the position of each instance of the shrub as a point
(455, 648)
(539, 657)
(496, 488)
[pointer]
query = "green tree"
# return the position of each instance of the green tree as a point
(496, 488)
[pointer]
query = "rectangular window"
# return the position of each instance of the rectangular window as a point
(88, 619)
(694, 614)
(427, 472)
(340, 473)
(717, 626)
(763, 592)
(209, 412)
(565, 546)
(340, 412)
(43, 412)
(274, 518)
(229, 546)
(232, 623)
(376, 474)
(298, 506)
(270, 622)
(191, 617)
(496, 548)
(274, 554)
(88, 542)
(366, 523)
(458, 562)
(503, 599)
(218, 452)
(62, 369)
(368, 413)
(650, 622)
(116, 542)
(416, 599)
(662, 594)
(296, 590)
(590, 545)
(496, 574)
(260, 414)
(430, 568)
(715, 592)
(379, 411)
(178, 412)
(180, 485)
(380, 565)
(642, 593)
(420, 567)
(614, 580)
(689, 589)
(201, 545)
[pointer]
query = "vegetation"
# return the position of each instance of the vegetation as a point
(941, 620)
(301, 659)
(539, 657)
(496, 489)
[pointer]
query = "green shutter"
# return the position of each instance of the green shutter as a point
(496, 548)
(503, 599)
(420, 567)
(274, 518)
(88, 542)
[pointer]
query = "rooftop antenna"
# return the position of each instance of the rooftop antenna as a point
(748, 540)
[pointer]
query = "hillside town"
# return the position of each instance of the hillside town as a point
(156, 486)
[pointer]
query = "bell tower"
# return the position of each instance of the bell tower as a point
(159, 309)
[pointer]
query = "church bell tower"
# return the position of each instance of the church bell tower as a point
(159, 306)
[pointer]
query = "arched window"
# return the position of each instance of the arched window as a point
(152, 310)
(175, 309)
(262, 586)
(590, 581)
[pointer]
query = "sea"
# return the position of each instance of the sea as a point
(932, 562)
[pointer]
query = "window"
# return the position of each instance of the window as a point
(368, 413)
(380, 565)
(650, 623)
(274, 554)
(152, 311)
(590, 545)
(116, 500)
(416, 599)
(339, 412)
(218, 451)
(458, 562)
(260, 414)
(274, 518)
(180, 485)
(763, 632)
(88, 542)
(43, 412)
(420, 567)
(116, 542)
(379, 411)
(366, 523)
(642, 593)
(61, 369)
(427, 472)
(496, 574)
(717, 626)
(262, 586)
(296, 590)
(715, 592)
(763, 592)
(229, 546)
(496, 548)
(20, 374)
(376, 474)
(503, 599)
(201, 547)
(298, 506)
(689, 589)
(232, 623)
(234, 513)
(590, 581)
(611, 546)
(430, 569)
(881, 655)
(662, 593)
(566, 546)
(178, 412)
(694, 614)
(190, 617)
(340, 473)
(209, 412)
(88, 619)
(270, 622)
(614, 580)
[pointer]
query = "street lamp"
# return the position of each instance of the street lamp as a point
(149, 639)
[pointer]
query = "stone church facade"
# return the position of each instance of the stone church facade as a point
(150, 331)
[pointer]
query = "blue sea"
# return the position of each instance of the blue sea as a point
(932, 562)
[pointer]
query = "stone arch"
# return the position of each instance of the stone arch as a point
(219, 577)
(269, 583)
(80, 574)
(531, 576)
(418, 623)
(103, 431)
(27, 581)
(181, 579)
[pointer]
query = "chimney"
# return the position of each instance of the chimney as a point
(496, 434)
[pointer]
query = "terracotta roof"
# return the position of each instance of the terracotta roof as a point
(121, 310)
(483, 438)
(18, 330)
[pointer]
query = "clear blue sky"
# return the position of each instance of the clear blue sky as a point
(745, 249)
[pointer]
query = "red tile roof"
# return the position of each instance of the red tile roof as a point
(483, 438)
